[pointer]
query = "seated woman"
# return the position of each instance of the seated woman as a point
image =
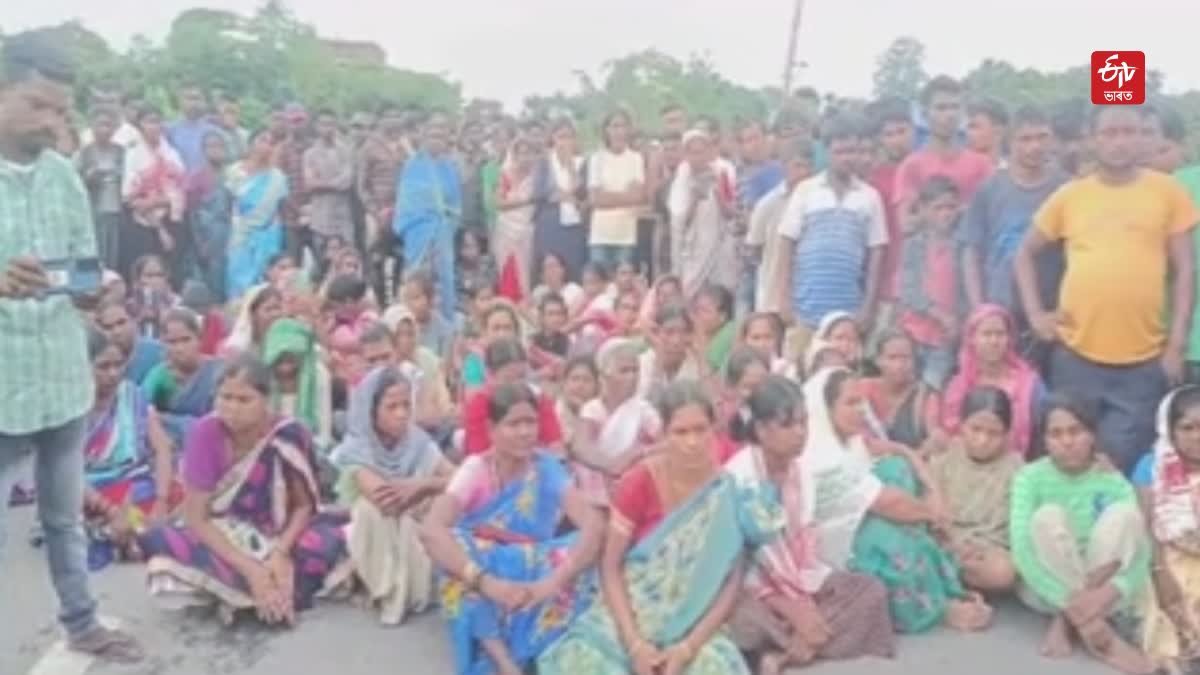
(301, 386)
(672, 355)
(667, 290)
(1168, 479)
(435, 410)
(988, 356)
(900, 406)
(141, 353)
(763, 333)
(389, 468)
(500, 321)
(506, 364)
(343, 321)
(128, 462)
(581, 383)
(796, 608)
(261, 307)
(617, 427)
(672, 566)
(716, 331)
(840, 330)
(251, 536)
(555, 280)
(1079, 541)
(892, 542)
(183, 386)
(510, 583)
(974, 479)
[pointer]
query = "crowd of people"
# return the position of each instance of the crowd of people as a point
(708, 399)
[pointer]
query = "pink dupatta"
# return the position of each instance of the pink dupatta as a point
(1021, 385)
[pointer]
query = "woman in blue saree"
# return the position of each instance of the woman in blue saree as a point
(182, 387)
(673, 564)
(258, 190)
(428, 210)
(510, 584)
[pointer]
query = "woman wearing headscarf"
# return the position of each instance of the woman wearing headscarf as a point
(988, 356)
(261, 307)
(874, 513)
(389, 468)
(301, 386)
(702, 204)
(1169, 477)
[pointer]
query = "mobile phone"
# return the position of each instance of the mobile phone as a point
(74, 276)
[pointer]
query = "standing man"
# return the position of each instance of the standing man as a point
(1126, 231)
(329, 176)
(237, 139)
(834, 234)
(1001, 213)
(429, 210)
(291, 163)
(108, 95)
(757, 175)
(987, 128)
(362, 123)
(379, 163)
(47, 389)
(674, 119)
(101, 163)
(895, 132)
(944, 154)
(187, 135)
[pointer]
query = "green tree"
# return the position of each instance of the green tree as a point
(900, 69)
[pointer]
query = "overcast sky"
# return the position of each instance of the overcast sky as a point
(505, 49)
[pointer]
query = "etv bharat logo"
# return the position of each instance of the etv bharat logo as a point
(1118, 78)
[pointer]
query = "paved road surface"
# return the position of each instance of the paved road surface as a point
(342, 640)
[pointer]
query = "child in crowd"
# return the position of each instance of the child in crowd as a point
(712, 313)
(928, 294)
(581, 383)
(598, 291)
(152, 294)
(550, 345)
(346, 317)
(474, 267)
(436, 333)
(499, 321)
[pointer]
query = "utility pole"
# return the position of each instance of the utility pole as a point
(789, 68)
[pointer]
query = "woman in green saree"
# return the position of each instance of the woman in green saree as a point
(672, 567)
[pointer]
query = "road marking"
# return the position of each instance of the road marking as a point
(59, 660)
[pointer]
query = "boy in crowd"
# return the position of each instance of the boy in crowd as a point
(987, 128)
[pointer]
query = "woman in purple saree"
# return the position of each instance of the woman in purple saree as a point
(251, 537)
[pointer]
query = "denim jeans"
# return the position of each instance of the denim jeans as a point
(58, 471)
(433, 251)
(1128, 396)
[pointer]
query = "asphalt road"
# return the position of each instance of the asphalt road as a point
(343, 640)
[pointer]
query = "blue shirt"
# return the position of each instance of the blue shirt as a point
(754, 182)
(187, 137)
(1143, 473)
(831, 236)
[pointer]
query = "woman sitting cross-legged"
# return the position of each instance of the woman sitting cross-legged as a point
(251, 537)
(127, 458)
(511, 583)
(974, 478)
(673, 564)
(1079, 541)
(389, 469)
(795, 608)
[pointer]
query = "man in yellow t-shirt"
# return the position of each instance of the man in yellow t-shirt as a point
(1126, 231)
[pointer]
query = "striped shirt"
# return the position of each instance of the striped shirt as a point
(831, 235)
(47, 379)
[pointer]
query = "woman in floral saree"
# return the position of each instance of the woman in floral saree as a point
(258, 190)
(127, 458)
(672, 566)
(795, 607)
(510, 583)
(251, 537)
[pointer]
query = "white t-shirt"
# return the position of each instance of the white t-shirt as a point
(614, 172)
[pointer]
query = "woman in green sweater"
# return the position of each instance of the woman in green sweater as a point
(1078, 540)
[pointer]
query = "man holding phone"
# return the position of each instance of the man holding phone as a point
(47, 388)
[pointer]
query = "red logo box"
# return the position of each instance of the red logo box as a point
(1118, 78)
